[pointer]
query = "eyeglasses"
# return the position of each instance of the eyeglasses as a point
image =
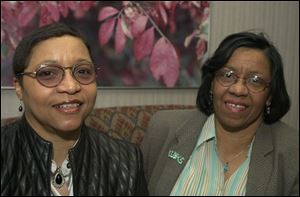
(51, 75)
(254, 83)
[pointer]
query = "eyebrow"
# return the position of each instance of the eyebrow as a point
(228, 67)
(45, 62)
(48, 62)
(249, 73)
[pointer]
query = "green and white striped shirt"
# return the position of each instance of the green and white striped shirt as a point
(203, 174)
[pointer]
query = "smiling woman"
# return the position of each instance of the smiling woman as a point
(56, 86)
(235, 144)
(54, 151)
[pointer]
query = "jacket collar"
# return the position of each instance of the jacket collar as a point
(261, 161)
(185, 139)
(36, 148)
(181, 147)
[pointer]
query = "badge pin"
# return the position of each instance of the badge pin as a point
(176, 156)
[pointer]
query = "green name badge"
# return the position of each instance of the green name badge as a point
(176, 156)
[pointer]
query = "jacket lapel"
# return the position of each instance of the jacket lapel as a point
(181, 145)
(177, 153)
(260, 167)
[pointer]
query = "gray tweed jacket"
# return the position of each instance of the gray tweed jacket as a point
(274, 165)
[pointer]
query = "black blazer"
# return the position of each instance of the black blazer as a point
(100, 164)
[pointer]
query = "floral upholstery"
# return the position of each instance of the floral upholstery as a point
(127, 123)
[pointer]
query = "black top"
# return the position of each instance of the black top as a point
(100, 164)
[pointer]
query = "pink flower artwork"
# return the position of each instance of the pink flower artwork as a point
(148, 44)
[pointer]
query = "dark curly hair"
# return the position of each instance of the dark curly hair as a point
(280, 106)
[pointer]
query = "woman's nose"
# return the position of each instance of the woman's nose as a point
(239, 88)
(69, 84)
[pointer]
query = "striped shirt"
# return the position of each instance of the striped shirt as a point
(203, 174)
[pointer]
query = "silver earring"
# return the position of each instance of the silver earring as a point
(211, 96)
(211, 102)
(268, 108)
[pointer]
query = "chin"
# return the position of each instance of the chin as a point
(68, 125)
(232, 125)
(234, 128)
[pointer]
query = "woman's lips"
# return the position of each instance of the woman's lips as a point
(68, 107)
(234, 107)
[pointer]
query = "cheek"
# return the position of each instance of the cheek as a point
(218, 91)
(35, 94)
(91, 93)
(260, 102)
(37, 102)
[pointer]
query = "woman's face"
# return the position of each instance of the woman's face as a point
(63, 108)
(236, 107)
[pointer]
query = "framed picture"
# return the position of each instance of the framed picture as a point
(146, 44)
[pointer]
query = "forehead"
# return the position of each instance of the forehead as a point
(245, 60)
(63, 50)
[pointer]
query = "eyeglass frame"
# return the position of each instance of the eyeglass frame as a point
(63, 68)
(223, 71)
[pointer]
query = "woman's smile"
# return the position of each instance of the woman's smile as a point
(69, 107)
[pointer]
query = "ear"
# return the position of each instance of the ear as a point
(19, 88)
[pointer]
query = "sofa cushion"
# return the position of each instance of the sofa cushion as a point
(125, 122)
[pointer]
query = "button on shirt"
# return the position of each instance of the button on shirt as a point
(204, 172)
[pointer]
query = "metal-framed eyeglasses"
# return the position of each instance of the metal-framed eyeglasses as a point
(51, 75)
(254, 83)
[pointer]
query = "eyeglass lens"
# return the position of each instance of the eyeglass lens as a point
(253, 82)
(52, 75)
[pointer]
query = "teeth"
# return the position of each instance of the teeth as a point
(236, 106)
(68, 106)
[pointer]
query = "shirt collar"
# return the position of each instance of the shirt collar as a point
(208, 131)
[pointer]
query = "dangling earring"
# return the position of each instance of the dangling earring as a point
(210, 96)
(20, 107)
(211, 103)
(268, 109)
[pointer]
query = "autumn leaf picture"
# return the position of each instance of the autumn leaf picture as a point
(137, 43)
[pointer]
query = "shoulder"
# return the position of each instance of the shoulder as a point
(284, 134)
(173, 120)
(109, 144)
(122, 161)
(167, 122)
(283, 140)
(115, 151)
(13, 146)
(165, 125)
(179, 113)
(9, 131)
(176, 116)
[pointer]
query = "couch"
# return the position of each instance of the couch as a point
(126, 122)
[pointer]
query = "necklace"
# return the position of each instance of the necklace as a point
(226, 163)
(61, 175)
(58, 179)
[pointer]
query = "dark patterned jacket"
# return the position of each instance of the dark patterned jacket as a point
(100, 164)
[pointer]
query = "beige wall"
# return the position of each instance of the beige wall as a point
(278, 19)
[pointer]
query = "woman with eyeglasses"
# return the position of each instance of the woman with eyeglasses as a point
(235, 143)
(50, 151)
